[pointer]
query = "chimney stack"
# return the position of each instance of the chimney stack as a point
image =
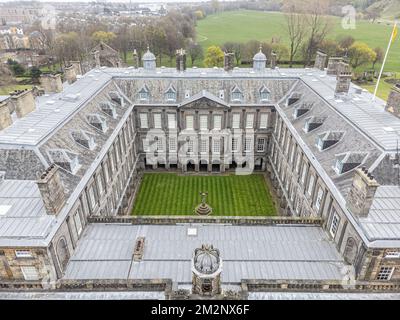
(362, 192)
(333, 65)
(135, 59)
(77, 67)
(274, 58)
(70, 74)
(320, 60)
(51, 190)
(180, 60)
(229, 58)
(51, 83)
(23, 102)
(5, 115)
(393, 101)
(96, 58)
(343, 78)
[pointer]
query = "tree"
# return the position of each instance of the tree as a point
(379, 56)
(35, 74)
(236, 48)
(214, 57)
(346, 42)
(281, 51)
(16, 68)
(6, 77)
(330, 47)
(199, 14)
(296, 27)
(103, 36)
(195, 52)
(361, 54)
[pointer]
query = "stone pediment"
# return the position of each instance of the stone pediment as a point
(205, 100)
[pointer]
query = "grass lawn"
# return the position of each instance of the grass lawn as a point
(229, 195)
(5, 90)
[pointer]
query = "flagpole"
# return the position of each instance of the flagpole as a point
(384, 61)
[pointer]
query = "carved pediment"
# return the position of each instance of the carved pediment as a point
(203, 100)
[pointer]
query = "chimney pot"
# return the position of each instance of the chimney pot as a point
(23, 101)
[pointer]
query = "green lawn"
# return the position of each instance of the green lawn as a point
(245, 25)
(229, 195)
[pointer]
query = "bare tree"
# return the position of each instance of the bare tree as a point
(296, 27)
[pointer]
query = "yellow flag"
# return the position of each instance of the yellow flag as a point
(394, 33)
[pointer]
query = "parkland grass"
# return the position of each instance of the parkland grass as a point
(228, 195)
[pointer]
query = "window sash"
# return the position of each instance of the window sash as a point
(23, 254)
(216, 146)
(157, 120)
(261, 144)
(263, 121)
(171, 121)
(189, 122)
(78, 222)
(247, 144)
(144, 123)
(203, 146)
(236, 121)
(203, 122)
(218, 122)
(250, 120)
(30, 273)
(172, 144)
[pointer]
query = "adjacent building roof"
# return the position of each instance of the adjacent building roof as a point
(247, 252)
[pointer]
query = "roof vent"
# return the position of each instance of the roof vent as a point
(328, 139)
(71, 97)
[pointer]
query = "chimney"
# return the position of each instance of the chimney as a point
(5, 115)
(393, 102)
(273, 60)
(333, 65)
(320, 60)
(70, 74)
(229, 58)
(23, 102)
(343, 78)
(180, 60)
(51, 83)
(51, 190)
(362, 192)
(96, 58)
(135, 59)
(77, 67)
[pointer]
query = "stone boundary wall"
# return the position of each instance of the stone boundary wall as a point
(234, 220)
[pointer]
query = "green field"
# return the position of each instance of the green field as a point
(228, 195)
(245, 25)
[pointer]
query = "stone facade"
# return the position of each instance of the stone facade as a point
(5, 115)
(393, 102)
(23, 102)
(51, 83)
(320, 60)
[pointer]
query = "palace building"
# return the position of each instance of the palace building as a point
(72, 159)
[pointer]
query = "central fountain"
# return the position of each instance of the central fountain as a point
(203, 209)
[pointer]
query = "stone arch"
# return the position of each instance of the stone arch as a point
(62, 253)
(350, 251)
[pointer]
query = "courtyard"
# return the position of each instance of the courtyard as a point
(228, 195)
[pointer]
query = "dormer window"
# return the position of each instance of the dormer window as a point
(236, 94)
(293, 98)
(187, 94)
(221, 94)
(64, 159)
(108, 109)
(84, 139)
(117, 98)
(170, 94)
(313, 123)
(264, 94)
(97, 122)
(328, 139)
(144, 94)
(302, 110)
(348, 161)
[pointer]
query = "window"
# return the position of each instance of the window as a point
(311, 185)
(234, 144)
(23, 254)
(236, 121)
(217, 146)
(334, 224)
(106, 172)
(293, 193)
(264, 95)
(203, 122)
(144, 124)
(263, 120)
(236, 95)
(171, 121)
(287, 146)
(190, 146)
(172, 144)
(30, 273)
(385, 273)
(298, 205)
(293, 153)
(221, 94)
(392, 255)
(203, 146)
(99, 182)
(78, 223)
(249, 120)
(318, 201)
(170, 95)
(304, 174)
(217, 122)
(298, 162)
(247, 144)
(261, 144)
(157, 120)
(187, 94)
(92, 198)
(145, 145)
(160, 146)
(189, 122)
(143, 95)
